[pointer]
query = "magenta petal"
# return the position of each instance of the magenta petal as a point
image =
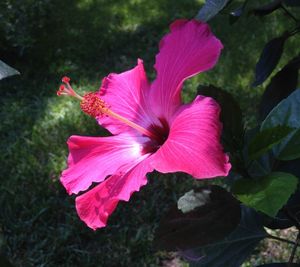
(91, 159)
(95, 206)
(190, 48)
(125, 94)
(193, 145)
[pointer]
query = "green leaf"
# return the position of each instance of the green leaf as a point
(203, 216)
(6, 71)
(286, 113)
(261, 166)
(266, 139)
(288, 216)
(233, 250)
(266, 9)
(237, 13)
(269, 58)
(291, 150)
(210, 9)
(282, 84)
(267, 194)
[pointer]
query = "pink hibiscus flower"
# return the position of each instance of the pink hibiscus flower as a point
(152, 129)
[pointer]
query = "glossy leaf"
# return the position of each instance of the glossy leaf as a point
(210, 9)
(217, 216)
(288, 216)
(261, 166)
(6, 71)
(266, 139)
(267, 194)
(269, 58)
(235, 248)
(231, 116)
(291, 150)
(280, 87)
(236, 14)
(266, 9)
(286, 113)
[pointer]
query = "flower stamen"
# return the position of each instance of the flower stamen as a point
(94, 106)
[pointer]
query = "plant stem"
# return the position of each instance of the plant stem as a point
(283, 240)
(297, 243)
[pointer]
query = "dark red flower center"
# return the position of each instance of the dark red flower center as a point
(161, 134)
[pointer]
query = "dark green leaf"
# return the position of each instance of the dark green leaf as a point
(289, 215)
(216, 216)
(231, 116)
(236, 14)
(261, 166)
(235, 248)
(6, 71)
(286, 113)
(210, 9)
(269, 58)
(266, 139)
(295, 3)
(266, 9)
(280, 87)
(267, 194)
(291, 150)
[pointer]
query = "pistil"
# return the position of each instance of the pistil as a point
(94, 106)
(66, 89)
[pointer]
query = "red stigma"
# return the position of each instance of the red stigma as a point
(65, 79)
(66, 89)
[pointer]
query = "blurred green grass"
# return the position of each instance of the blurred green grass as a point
(87, 39)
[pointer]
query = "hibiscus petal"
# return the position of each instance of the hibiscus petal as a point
(95, 206)
(125, 94)
(190, 48)
(91, 159)
(193, 145)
